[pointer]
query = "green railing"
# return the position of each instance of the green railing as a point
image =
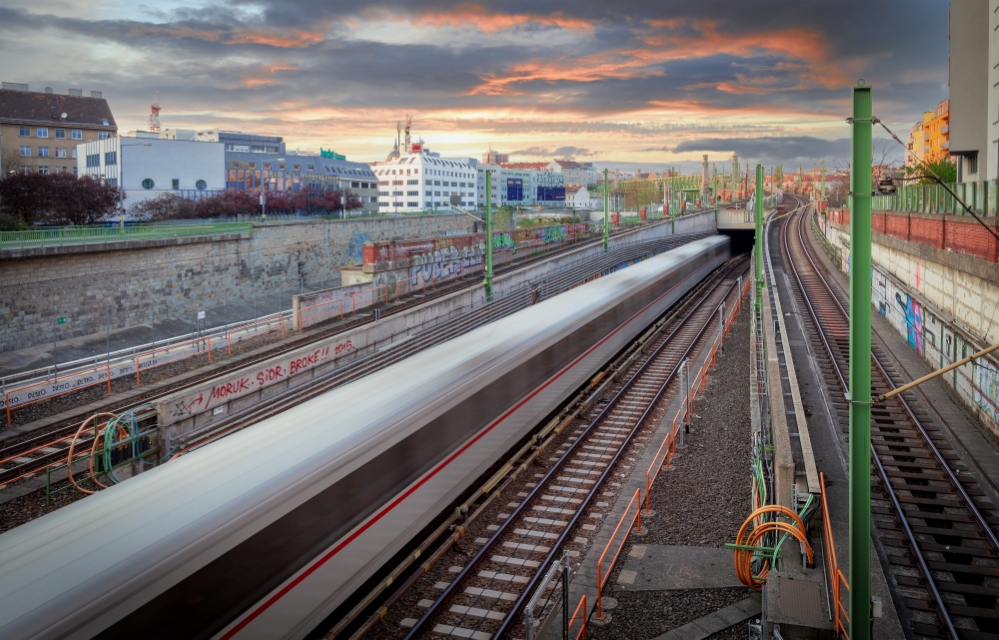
(934, 198)
(59, 236)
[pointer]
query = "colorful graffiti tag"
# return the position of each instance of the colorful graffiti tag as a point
(913, 312)
(986, 388)
(432, 259)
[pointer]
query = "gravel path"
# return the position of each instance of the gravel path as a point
(701, 502)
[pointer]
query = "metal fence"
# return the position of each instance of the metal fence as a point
(59, 236)
(982, 197)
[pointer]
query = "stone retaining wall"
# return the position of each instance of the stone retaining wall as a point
(133, 286)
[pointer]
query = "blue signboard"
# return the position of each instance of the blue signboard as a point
(551, 194)
(515, 189)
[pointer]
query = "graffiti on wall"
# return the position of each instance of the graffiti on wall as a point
(355, 249)
(986, 388)
(450, 257)
(913, 313)
(447, 262)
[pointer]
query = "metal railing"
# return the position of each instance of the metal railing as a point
(836, 578)
(981, 196)
(61, 236)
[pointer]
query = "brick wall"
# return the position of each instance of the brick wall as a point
(136, 286)
(878, 222)
(971, 238)
(897, 226)
(960, 234)
(928, 231)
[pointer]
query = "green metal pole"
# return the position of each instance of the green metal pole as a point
(860, 367)
(606, 216)
(672, 197)
(759, 234)
(489, 236)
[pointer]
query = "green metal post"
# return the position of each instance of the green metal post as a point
(606, 216)
(672, 197)
(860, 367)
(759, 235)
(489, 236)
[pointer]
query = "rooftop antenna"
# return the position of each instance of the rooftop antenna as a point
(154, 113)
(409, 124)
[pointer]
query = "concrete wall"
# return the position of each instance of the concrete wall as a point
(944, 304)
(135, 286)
(969, 83)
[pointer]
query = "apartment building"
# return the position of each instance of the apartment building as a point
(40, 130)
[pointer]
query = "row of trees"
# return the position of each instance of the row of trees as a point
(62, 198)
(170, 206)
(55, 198)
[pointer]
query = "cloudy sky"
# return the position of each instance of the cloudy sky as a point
(644, 83)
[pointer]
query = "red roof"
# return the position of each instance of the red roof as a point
(35, 106)
(540, 166)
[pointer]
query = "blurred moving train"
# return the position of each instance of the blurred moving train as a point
(264, 533)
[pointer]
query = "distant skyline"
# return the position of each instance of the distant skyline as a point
(643, 84)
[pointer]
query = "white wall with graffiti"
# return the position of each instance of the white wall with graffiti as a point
(935, 338)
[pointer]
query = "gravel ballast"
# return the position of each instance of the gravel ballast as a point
(702, 501)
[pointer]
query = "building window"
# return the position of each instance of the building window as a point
(201, 185)
(43, 170)
(111, 157)
(93, 160)
(60, 134)
(43, 132)
(25, 151)
(397, 193)
(24, 132)
(412, 182)
(148, 183)
(112, 182)
(78, 134)
(103, 135)
(412, 193)
(430, 193)
(413, 204)
(972, 163)
(73, 152)
(43, 152)
(60, 152)
(75, 171)
(175, 183)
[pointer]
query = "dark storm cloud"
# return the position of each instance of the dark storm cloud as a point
(771, 149)
(710, 59)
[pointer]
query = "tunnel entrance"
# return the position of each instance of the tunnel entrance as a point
(742, 240)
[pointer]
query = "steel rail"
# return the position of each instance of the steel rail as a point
(915, 421)
(434, 609)
(889, 488)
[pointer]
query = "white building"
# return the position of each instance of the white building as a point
(148, 166)
(424, 181)
(581, 173)
(577, 197)
(521, 184)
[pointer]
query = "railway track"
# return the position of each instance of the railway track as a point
(932, 516)
(32, 455)
(485, 597)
